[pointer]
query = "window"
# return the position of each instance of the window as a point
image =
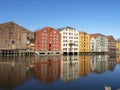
(13, 41)
(64, 48)
(11, 33)
(64, 37)
(55, 38)
(54, 34)
(43, 49)
(75, 41)
(45, 30)
(43, 34)
(75, 49)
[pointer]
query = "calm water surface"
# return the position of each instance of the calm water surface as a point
(82, 72)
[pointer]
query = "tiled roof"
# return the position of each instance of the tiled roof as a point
(95, 35)
(110, 38)
(47, 28)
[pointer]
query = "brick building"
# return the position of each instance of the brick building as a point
(13, 36)
(48, 41)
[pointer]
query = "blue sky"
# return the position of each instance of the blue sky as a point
(91, 16)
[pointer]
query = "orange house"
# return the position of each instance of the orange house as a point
(48, 41)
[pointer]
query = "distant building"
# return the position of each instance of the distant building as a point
(84, 42)
(118, 46)
(13, 36)
(48, 41)
(111, 44)
(69, 40)
(98, 43)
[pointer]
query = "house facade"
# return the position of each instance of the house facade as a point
(98, 43)
(69, 40)
(93, 44)
(118, 46)
(13, 36)
(111, 44)
(84, 42)
(48, 41)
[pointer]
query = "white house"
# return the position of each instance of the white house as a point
(98, 43)
(69, 40)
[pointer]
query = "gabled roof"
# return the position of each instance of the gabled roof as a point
(110, 38)
(68, 27)
(95, 35)
(12, 25)
(47, 28)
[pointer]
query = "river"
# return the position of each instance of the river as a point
(77, 72)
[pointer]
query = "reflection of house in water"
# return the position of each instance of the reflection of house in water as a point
(118, 58)
(69, 68)
(111, 62)
(99, 63)
(13, 72)
(47, 68)
(84, 65)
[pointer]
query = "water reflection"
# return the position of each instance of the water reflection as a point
(15, 71)
(118, 59)
(102, 63)
(99, 63)
(112, 61)
(84, 65)
(47, 69)
(69, 68)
